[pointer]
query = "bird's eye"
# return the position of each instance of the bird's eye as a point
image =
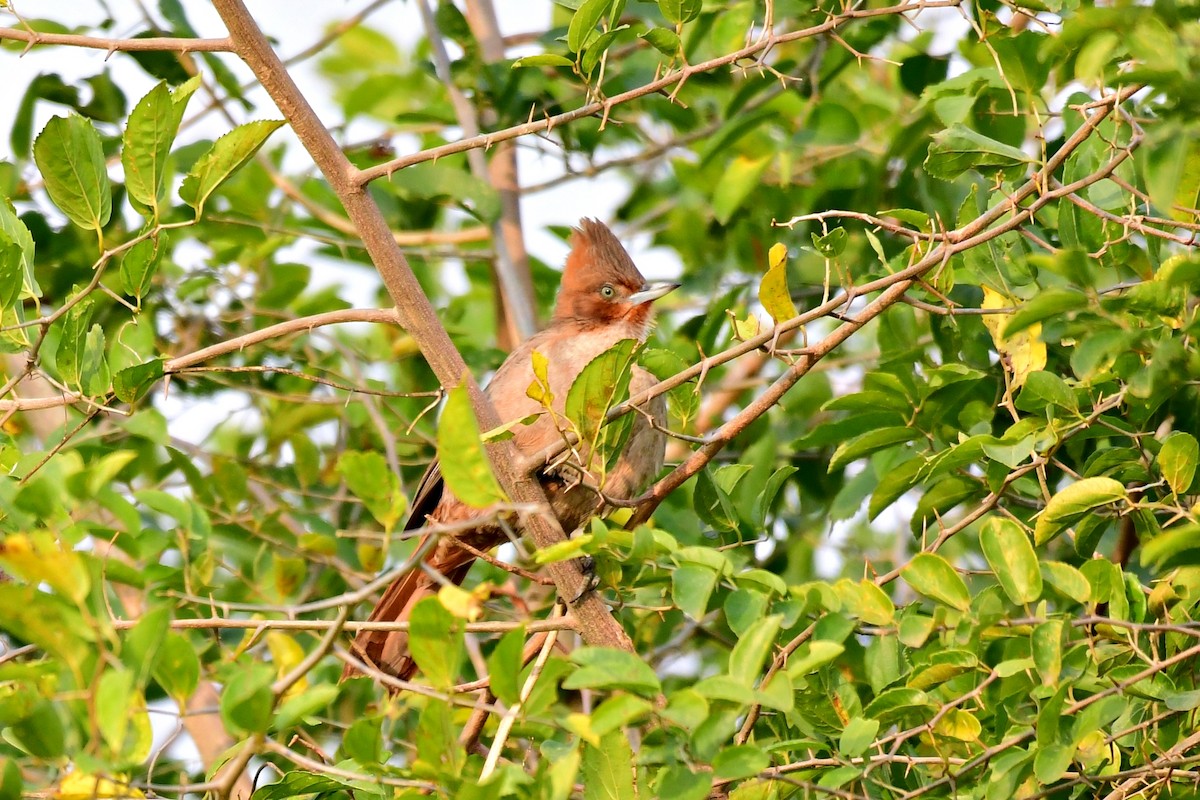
(607, 291)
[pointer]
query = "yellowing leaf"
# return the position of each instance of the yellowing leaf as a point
(79, 785)
(958, 724)
(1024, 352)
(464, 604)
(776, 255)
(773, 291)
(744, 329)
(39, 557)
(539, 390)
(286, 653)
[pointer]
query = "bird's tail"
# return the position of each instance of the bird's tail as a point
(387, 651)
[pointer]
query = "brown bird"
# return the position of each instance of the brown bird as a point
(603, 299)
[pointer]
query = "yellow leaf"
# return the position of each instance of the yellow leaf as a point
(1024, 352)
(581, 726)
(39, 557)
(744, 329)
(776, 255)
(463, 604)
(287, 654)
(539, 389)
(773, 291)
(958, 724)
(79, 785)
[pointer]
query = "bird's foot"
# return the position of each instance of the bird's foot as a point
(587, 567)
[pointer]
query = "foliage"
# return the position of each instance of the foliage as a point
(940, 539)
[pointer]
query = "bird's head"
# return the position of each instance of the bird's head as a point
(600, 283)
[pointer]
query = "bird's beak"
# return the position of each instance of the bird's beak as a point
(650, 292)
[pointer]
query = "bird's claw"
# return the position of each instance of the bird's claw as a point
(587, 568)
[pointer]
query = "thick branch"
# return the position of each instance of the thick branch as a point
(416, 314)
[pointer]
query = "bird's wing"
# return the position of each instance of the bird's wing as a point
(427, 496)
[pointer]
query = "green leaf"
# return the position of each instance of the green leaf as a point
(602, 384)
(1177, 460)
(504, 665)
(140, 264)
(931, 575)
(303, 705)
(808, 659)
(870, 442)
(114, 703)
(866, 601)
(41, 734)
(142, 644)
(15, 232)
(595, 49)
(247, 700)
(894, 704)
(958, 149)
(564, 550)
(618, 711)
(584, 21)
(663, 40)
(368, 476)
(12, 276)
(1176, 547)
(678, 12)
(691, 587)
(430, 181)
(1012, 558)
(943, 666)
(178, 669)
(608, 769)
(857, 736)
(679, 782)
(1045, 305)
(1067, 580)
(1069, 505)
(610, 668)
(227, 155)
(832, 244)
(464, 464)
(298, 783)
(71, 160)
(1051, 761)
(149, 134)
(10, 779)
(741, 178)
(94, 373)
(752, 649)
(1046, 644)
(740, 761)
(132, 382)
(543, 60)
(435, 640)
(363, 740)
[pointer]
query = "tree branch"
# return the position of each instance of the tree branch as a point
(605, 107)
(416, 314)
(172, 44)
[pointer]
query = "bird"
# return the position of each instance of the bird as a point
(602, 300)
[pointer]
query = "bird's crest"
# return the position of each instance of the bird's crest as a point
(597, 255)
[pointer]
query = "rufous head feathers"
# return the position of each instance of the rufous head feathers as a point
(601, 284)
